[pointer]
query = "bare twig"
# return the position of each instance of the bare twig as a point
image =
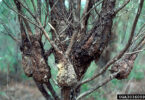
(88, 8)
(13, 37)
(27, 9)
(51, 10)
(39, 9)
(9, 33)
(26, 4)
(139, 43)
(141, 35)
(97, 86)
(134, 52)
(91, 10)
(53, 30)
(125, 11)
(55, 82)
(28, 27)
(50, 41)
(86, 14)
(46, 13)
(78, 8)
(23, 16)
(32, 1)
(138, 34)
(120, 8)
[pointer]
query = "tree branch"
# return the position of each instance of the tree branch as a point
(34, 7)
(42, 90)
(56, 34)
(86, 14)
(50, 41)
(19, 9)
(49, 86)
(48, 53)
(27, 9)
(46, 13)
(112, 76)
(28, 27)
(71, 44)
(134, 52)
(138, 34)
(76, 10)
(9, 33)
(120, 8)
(39, 9)
(13, 37)
(139, 43)
(117, 57)
(23, 16)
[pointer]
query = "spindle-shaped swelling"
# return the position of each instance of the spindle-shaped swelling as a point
(34, 63)
(123, 67)
(66, 75)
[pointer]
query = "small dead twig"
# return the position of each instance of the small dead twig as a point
(88, 11)
(8, 32)
(34, 7)
(27, 9)
(140, 30)
(23, 16)
(120, 8)
(134, 52)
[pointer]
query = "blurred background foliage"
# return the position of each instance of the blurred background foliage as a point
(10, 55)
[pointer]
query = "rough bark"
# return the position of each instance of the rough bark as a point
(66, 93)
(92, 45)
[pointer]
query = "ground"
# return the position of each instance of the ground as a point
(20, 91)
(26, 89)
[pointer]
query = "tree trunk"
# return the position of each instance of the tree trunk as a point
(66, 93)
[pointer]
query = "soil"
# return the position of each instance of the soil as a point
(27, 90)
(20, 91)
